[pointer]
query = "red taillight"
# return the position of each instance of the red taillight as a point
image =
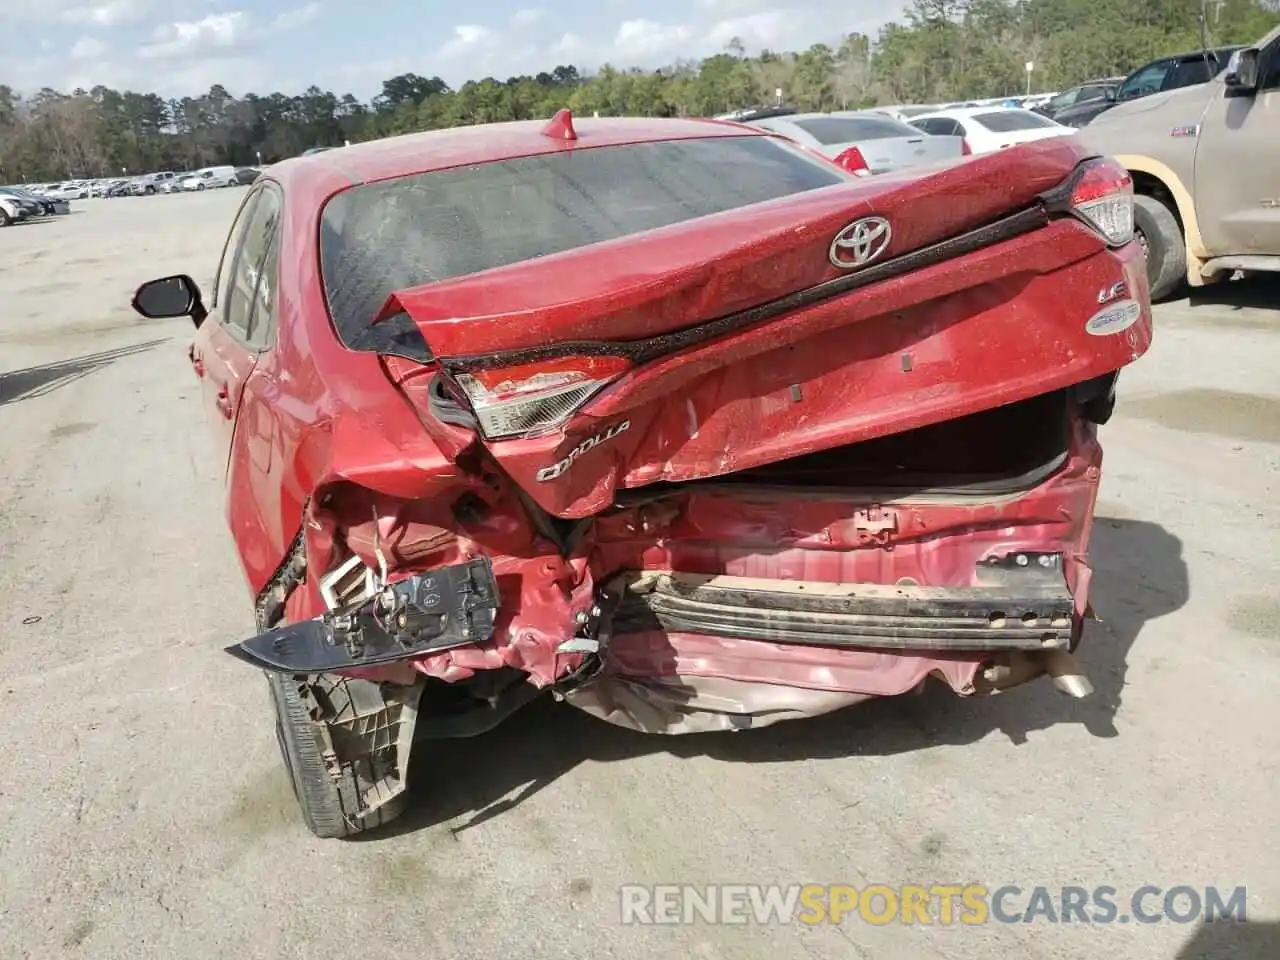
(853, 161)
(1103, 198)
(965, 149)
(536, 398)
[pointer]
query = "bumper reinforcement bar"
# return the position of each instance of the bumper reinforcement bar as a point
(1031, 609)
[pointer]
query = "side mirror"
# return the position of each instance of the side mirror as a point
(1110, 95)
(170, 297)
(1242, 71)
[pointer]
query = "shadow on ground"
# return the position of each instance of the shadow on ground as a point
(37, 381)
(1231, 940)
(1259, 292)
(1140, 575)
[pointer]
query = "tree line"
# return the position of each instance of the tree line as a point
(942, 50)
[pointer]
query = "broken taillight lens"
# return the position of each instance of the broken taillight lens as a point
(1103, 198)
(536, 398)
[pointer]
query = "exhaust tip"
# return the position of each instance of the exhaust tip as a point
(1067, 676)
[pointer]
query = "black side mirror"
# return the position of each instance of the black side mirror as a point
(1242, 71)
(170, 297)
(1110, 96)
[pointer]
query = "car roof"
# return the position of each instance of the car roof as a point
(484, 143)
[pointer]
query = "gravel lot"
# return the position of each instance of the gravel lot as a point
(146, 814)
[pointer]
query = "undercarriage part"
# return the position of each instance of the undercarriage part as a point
(1022, 604)
(346, 745)
(1017, 667)
(449, 607)
(449, 711)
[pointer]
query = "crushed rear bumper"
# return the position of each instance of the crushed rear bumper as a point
(690, 653)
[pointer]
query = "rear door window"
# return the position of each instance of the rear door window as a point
(242, 296)
(1191, 71)
(381, 237)
(1144, 82)
(1009, 121)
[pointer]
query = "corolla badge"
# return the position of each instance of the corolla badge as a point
(860, 243)
(564, 463)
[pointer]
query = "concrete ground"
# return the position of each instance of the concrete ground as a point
(145, 812)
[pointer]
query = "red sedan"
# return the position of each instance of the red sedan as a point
(671, 418)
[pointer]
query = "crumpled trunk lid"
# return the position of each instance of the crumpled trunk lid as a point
(733, 341)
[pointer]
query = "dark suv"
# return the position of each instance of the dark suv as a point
(1167, 73)
(1090, 91)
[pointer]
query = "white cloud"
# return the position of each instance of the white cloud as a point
(88, 48)
(643, 39)
(468, 40)
(300, 16)
(217, 31)
(527, 18)
(108, 13)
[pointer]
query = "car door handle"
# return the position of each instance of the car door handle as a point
(224, 402)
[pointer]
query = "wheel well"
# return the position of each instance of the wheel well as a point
(1147, 185)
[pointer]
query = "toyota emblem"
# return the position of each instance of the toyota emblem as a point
(860, 243)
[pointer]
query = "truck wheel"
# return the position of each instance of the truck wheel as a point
(345, 745)
(1163, 246)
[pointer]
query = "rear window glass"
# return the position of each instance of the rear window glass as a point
(829, 130)
(1006, 121)
(1189, 72)
(381, 237)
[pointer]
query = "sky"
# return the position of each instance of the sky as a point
(181, 47)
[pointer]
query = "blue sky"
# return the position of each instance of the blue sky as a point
(178, 47)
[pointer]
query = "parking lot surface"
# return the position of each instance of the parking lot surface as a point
(145, 812)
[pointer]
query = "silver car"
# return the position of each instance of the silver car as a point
(864, 142)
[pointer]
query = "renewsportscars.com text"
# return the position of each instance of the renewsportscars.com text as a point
(941, 904)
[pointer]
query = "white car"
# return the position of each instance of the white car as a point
(987, 129)
(210, 177)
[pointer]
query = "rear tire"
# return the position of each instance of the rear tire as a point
(344, 742)
(1164, 245)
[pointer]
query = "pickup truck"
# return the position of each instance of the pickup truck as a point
(1205, 174)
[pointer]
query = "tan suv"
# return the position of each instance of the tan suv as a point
(1205, 167)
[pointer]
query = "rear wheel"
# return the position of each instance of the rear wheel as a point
(345, 746)
(1163, 246)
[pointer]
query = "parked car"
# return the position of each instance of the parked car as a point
(904, 112)
(683, 424)
(37, 205)
(1090, 91)
(151, 183)
(864, 143)
(1204, 166)
(210, 177)
(13, 210)
(1166, 73)
(985, 129)
(66, 191)
(747, 114)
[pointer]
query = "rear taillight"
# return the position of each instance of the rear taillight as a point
(536, 398)
(853, 161)
(965, 149)
(1103, 198)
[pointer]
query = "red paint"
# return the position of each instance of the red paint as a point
(348, 432)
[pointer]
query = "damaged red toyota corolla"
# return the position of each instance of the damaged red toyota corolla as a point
(670, 418)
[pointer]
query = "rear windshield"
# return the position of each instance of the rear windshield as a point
(1006, 121)
(829, 130)
(381, 237)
